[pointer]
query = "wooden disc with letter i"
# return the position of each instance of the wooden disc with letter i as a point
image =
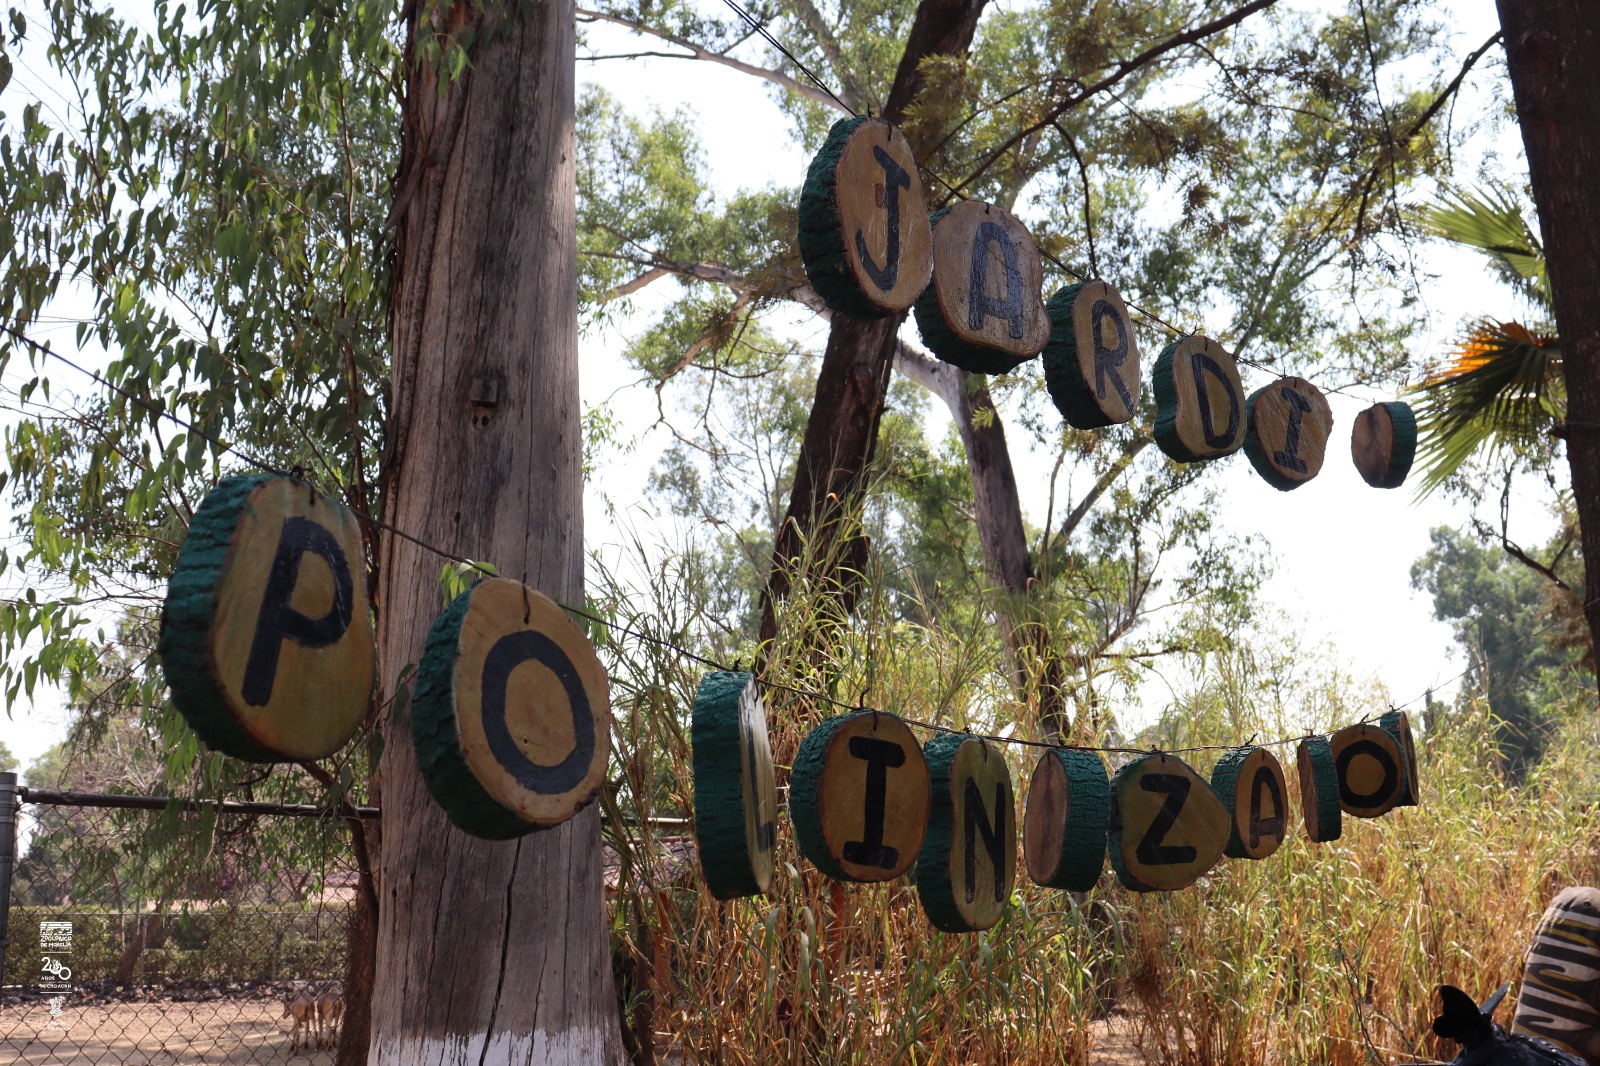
(1167, 826)
(735, 799)
(1064, 826)
(1287, 436)
(266, 640)
(969, 857)
(1371, 770)
(1200, 401)
(1091, 364)
(1249, 782)
(512, 718)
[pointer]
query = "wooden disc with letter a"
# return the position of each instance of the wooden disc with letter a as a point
(1384, 443)
(735, 799)
(969, 857)
(1371, 770)
(983, 312)
(1167, 826)
(1249, 782)
(1289, 422)
(1200, 401)
(266, 639)
(1398, 725)
(858, 797)
(864, 233)
(1064, 826)
(512, 716)
(1319, 790)
(1091, 364)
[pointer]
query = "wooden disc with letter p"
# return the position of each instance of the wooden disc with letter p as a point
(1167, 826)
(1371, 770)
(1091, 364)
(1249, 782)
(735, 799)
(1200, 400)
(1289, 422)
(969, 857)
(1064, 826)
(512, 718)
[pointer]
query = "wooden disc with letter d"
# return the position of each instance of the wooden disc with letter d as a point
(1200, 401)
(266, 640)
(1371, 770)
(511, 717)
(1064, 826)
(735, 799)
(969, 857)
(1287, 435)
(1167, 826)
(1249, 782)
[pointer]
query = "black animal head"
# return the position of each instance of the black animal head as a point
(1484, 1043)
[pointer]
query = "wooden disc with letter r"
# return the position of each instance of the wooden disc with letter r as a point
(1371, 770)
(859, 797)
(969, 857)
(512, 716)
(266, 639)
(735, 798)
(1064, 826)
(1289, 422)
(1200, 400)
(1319, 790)
(1167, 826)
(1249, 782)
(1091, 364)
(1383, 444)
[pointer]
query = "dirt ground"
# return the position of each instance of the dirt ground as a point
(219, 1031)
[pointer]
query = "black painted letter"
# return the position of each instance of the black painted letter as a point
(1289, 458)
(1201, 365)
(1266, 783)
(508, 653)
(277, 621)
(1106, 360)
(870, 850)
(980, 305)
(1151, 850)
(1378, 796)
(895, 178)
(994, 838)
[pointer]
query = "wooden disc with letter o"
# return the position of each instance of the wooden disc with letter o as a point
(983, 312)
(1371, 770)
(1288, 426)
(1200, 400)
(512, 716)
(1064, 825)
(735, 798)
(1249, 782)
(1091, 364)
(1383, 444)
(1319, 790)
(1398, 725)
(968, 860)
(1167, 826)
(859, 797)
(266, 639)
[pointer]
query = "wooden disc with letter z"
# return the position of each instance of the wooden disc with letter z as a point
(1371, 770)
(512, 716)
(1200, 401)
(266, 640)
(858, 797)
(1249, 782)
(1091, 364)
(1064, 825)
(1383, 444)
(1167, 826)
(983, 312)
(735, 798)
(864, 233)
(1289, 422)
(968, 860)
(1319, 789)
(1398, 725)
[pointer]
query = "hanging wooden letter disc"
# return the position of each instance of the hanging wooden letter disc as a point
(1091, 364)
(1200, 408)
(1398, 725)
(858, 797)
(864, 234)
(969, 858)
(735, 799)
(265, 636)
(1064, 827)
(1167, 826)
(1249, 782)
(1319, 790)
(1289, 424)
(1371, 770)
(511, 718)
(1383, 443)
(983, 312)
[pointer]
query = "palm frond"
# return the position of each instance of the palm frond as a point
(1490, 220)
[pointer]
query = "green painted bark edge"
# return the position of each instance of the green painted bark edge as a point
(1325, 779)
(1114, 830)
(805, 781)
(719, 814)
(1410, 787)
(1224, 782)
(934, 888)
(1405, 445)
(1083, 843)
(1072, 394)
(821, 237)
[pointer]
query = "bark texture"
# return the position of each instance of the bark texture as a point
(487, 952)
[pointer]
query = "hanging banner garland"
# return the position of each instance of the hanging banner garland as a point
(1091, 364)
(1064, 827)
(1200, 406)
(735, 799)
(1289, 423)
(1167, 827)
(1249, 782)
(968, 860)
(266, 641)
(1383, 444)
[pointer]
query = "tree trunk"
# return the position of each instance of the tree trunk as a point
(1551, 51)
(487, 952)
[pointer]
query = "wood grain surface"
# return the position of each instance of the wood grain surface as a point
(1371, 770)
(1065, 821)
(1200, 400)
(1383, 444)
(984, 304)
(968, 860)
(1167, 826)
(1289, 424)
(1249, 782)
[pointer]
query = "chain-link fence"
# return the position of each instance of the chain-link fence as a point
(144, 931)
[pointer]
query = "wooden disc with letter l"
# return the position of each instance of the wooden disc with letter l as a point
(1287, 436)
(1167, 827)
(1383, 443)
(864, 233)
(735, 797)
(1200, 401)
(968, 860)
(858, 797)
(1064, 824)
(1398, 725)
(1249, 782)
(1371, 770)
(1319, 790)
(983, 311)
(1091, 364)
(266, 640)
(511, 718)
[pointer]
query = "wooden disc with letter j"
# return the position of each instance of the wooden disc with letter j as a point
(735, 799)
(1371, 770)
(1064, 826)
(1091, 364)
(969, 858)
(858, 797)
(1167, 826)
(1249, 782)
(511, 717)
(1289, 422)
(266, 640)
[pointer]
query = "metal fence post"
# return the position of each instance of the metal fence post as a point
(8, 856)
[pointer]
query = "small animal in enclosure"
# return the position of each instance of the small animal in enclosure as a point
(1483, 1043)
(303, 1009)
(330, 1008)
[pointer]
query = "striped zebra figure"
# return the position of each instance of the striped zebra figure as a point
(1560, 995)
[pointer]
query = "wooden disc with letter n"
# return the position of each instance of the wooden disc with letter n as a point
(1064, 826)
(1371, 770)
(735, 798)
(1200, 400)
(1383, 444)
(858, 797)
(969, 858)
(1091, 364)
(511, 717)
(1289, 422)
(1319, 790)
(865, 240)
(266, 640)
(1167, 826)
(983, 312)
(1249, 782)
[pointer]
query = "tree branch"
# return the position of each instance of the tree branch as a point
(852, 91)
